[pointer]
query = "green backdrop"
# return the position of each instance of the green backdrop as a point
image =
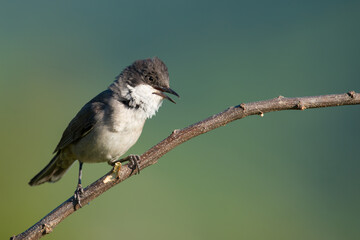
(288, 175)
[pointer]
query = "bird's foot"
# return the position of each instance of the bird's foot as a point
(134, 163)
(79, 192)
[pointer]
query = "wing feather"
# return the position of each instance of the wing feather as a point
(81, 124)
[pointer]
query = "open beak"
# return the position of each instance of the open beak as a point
(168, 90)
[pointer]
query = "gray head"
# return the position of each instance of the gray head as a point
(151, 71)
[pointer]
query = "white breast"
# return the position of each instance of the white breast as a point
(120, 127)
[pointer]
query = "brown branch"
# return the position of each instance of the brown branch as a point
(49, 222)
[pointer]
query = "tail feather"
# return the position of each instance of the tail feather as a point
(51, 172)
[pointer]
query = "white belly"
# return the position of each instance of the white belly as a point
(107, 142)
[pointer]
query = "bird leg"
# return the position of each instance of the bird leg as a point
(79, 189)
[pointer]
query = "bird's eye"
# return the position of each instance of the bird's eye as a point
(150, 78)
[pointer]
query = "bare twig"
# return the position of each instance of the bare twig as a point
(49, 222)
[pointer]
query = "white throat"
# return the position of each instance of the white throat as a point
(143, 97)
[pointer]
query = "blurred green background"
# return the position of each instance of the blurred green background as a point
(288, 175)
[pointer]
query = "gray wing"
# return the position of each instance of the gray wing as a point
(82, 123)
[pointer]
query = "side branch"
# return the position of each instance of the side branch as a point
(49, 222)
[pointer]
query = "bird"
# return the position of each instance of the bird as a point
(109, 124)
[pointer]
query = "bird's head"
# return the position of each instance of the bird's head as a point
(152, 72)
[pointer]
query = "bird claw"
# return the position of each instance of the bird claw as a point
(79, 192)
(134, 163)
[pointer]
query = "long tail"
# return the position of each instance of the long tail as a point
(52, 172)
